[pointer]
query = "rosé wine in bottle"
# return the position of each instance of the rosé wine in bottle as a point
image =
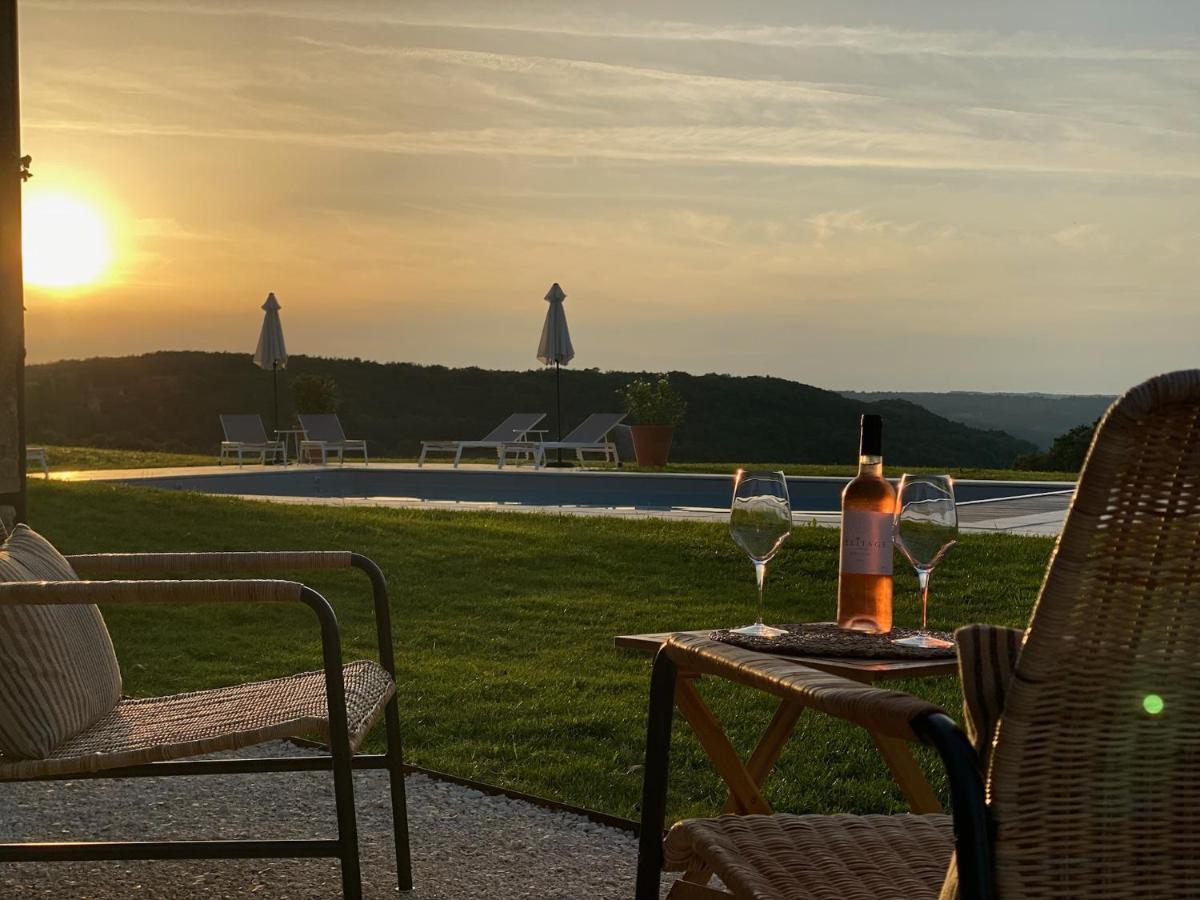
(865, 566)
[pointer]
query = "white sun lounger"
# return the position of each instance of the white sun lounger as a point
(323, 435)
(591, 436)
(510, 436)
(246, 436)
(38, 455)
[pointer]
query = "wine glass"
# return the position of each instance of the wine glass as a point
(926, 527)
(760, 519)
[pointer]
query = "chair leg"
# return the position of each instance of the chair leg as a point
(395, 755)
(343, 792)
(339, 746)
(654, 776)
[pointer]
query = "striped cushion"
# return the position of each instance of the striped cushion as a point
(58, 671)
(987, 658)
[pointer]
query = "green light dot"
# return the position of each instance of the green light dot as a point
(1153, 704)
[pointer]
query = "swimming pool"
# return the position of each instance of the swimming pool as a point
(639, 490)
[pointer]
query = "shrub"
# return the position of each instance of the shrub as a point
(314, 394)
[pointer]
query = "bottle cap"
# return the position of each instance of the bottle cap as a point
(871, 443)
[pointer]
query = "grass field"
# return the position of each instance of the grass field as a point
(69, 459)
(504, 624)
(78, 458)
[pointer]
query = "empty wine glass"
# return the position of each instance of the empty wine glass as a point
(926, 527)
(760, 519)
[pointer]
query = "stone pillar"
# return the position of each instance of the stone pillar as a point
(12, 308)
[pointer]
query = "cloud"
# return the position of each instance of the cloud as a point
(834, 223)
(785, 147)
(1084, 236)
(861, 39)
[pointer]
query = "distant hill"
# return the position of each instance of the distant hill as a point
(171, 400)
(1035, 417)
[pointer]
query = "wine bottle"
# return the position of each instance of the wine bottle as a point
(865, 567)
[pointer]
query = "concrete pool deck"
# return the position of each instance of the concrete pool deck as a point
(1028, 508)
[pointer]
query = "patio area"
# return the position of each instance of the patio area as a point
(470, 844)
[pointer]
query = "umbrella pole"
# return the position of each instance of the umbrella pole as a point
(558, 403)
(275, 391)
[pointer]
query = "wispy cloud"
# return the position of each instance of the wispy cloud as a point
(872, 40)
(704, 146)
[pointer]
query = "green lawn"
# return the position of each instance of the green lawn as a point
(70, 459)
(504, 624)
(75, 458)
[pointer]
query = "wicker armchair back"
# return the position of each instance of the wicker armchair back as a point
(1094, 785)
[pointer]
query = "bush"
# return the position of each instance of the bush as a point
(655, 403)
(314, 394)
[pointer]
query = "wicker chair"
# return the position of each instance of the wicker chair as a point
(1092, 784)
(149, 737)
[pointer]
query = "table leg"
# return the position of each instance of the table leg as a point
(770, 745)
(916, 790)
(743, 790)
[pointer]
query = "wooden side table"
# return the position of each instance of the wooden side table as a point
(745, 779)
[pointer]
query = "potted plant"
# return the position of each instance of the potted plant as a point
(654, 409)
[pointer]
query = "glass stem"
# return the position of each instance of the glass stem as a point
(760, 575)
(923, 584)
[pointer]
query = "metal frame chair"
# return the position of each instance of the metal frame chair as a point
(510, 436)
(590, 436)
(341, 761)
(245, 435)
(323, 435)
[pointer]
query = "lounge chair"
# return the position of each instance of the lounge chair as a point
(246, 436)
(323, 435)
(38, 455)
(590, 436)
(510, 436)
(59, 668)
(1079, 772)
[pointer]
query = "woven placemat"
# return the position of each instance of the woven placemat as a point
(826, 639)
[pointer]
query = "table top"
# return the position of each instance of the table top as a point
(865, 670)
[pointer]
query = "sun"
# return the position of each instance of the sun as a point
(65, 241)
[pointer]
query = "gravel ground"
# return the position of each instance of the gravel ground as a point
(465, 844)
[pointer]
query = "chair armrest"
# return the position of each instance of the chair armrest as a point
(973, 832)
(25, 593)
(885, 712)
(179, 563)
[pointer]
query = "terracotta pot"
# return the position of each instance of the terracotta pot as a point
(652, 443)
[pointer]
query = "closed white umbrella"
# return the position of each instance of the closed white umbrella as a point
(555, 346)
(272, 353)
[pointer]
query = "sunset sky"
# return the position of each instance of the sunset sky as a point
(852, 194)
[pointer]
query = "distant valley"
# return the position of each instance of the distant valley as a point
(1038, 418)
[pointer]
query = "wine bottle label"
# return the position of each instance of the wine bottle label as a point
(866, 542)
